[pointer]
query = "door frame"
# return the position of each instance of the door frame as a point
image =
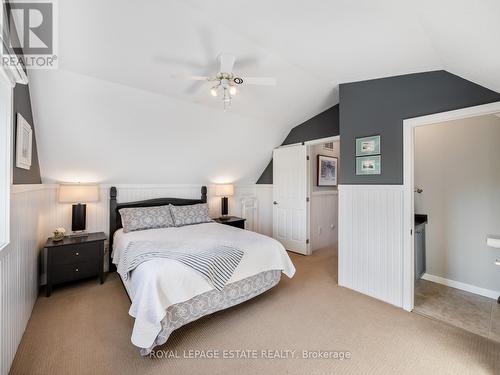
(409, 126)
(309, 172)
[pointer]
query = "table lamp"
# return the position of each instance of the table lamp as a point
(78, 194)
(224, 191)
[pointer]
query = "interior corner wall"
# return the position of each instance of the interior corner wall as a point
(323, 125)
(379, 106)
(22, 105)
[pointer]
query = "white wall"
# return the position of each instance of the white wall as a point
(456, 164)
(324, 203)
(19, 265)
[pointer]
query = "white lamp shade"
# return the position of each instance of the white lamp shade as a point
(224, 190)
(78, 193)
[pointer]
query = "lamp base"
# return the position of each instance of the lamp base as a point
(224, 206)
(224, 218)
(78, 217)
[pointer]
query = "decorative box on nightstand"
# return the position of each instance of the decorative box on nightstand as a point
(233, 221)
(74, 258)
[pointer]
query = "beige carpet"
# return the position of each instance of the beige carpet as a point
(85, 329)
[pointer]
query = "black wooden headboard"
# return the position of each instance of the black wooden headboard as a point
(115, 221)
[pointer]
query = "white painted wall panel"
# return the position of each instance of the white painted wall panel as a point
(324, 219)
(370, 240)
(19, 268)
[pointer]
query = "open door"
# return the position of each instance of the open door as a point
(290, 198)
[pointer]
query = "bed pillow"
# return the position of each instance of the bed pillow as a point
(140, 218)
(192, 214)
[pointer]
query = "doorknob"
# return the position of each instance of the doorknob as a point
(275, 202)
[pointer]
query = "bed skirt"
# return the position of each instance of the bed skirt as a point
(212, 301)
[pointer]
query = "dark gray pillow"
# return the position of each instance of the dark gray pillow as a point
(192, 214)
(140, 218)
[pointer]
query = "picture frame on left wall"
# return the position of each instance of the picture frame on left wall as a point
(24, 143)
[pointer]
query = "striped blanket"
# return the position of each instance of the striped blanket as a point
(215, 262)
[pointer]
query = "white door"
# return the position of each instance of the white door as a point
(290, 200)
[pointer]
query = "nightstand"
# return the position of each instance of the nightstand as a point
(74, 258)
(233, 221)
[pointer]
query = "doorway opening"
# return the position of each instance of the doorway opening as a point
(452, 207)
(305, 195)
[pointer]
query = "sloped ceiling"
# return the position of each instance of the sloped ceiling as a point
(112, 113)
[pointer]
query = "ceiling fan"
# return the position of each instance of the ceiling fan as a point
(225, 81)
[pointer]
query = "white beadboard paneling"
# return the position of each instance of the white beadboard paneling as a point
(370, 240)
(324, 219)
(19, 268)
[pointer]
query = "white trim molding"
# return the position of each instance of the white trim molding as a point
(409, 126)
(493, 294)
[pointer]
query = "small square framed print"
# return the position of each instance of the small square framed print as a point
(368, 165)
(368, 146)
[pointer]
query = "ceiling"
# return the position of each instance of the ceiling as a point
(123, 119)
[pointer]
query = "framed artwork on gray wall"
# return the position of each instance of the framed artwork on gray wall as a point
(327, 170)
(24, 143)
(368, 165)
(368, 146)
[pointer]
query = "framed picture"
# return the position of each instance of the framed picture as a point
(368, 165)
(368, 146)
(24, 141)
(327, 171)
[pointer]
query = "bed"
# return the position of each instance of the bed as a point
(166, 294)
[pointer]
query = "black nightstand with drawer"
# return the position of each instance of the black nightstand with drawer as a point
(233, 221)
(74, 258)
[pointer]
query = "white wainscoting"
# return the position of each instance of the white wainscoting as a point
(324, 219)
(371, 240)
(19, 265)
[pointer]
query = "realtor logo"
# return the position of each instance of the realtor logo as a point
(30, 34)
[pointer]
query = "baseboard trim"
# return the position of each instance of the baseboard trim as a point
(462, 286)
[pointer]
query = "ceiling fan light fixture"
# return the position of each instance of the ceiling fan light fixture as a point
(233, 90)
(213, 91)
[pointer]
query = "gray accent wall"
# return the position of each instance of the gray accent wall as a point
(323, 125)
(379, 106)
(22, 105)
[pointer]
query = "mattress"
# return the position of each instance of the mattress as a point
(156, 285)
(212, 301)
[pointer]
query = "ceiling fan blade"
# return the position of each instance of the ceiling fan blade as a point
(191, 78)
(226, 63)
(262, 81)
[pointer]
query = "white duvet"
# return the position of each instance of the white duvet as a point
(159, 283)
